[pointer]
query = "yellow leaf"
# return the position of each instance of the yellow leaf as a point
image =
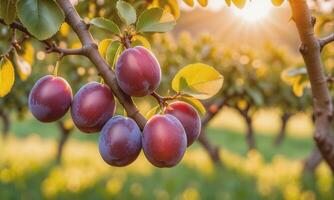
(277, 2)
(228, 2)
(286, 78)
(203, 2)
(298, 89)
(153, 4)
(7, 76)
(198, 80)
(174, 8)
(103, 46)
(69, 124)
(242, 104)
(189, 2)
(114, 50)
(76, 45)
(239, 3)
(23, 67)
(64, 29)
(139, 40)
(29, 53)
(197, 104)
(152, 112)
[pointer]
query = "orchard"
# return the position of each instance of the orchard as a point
(166, 99)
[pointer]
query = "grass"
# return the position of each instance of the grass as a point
(292, 147)
(28, 170)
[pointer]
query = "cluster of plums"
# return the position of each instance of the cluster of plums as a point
(164, 138)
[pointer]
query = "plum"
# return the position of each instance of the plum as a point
(189, 118)
(50, 98)
(120, 141)
(138, 72)
(92, 107)
(164, 141)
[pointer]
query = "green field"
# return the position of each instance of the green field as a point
(28, 170)
(294, 148)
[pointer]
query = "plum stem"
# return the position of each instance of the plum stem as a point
(55, 71)
(126, 40)
(163, 100)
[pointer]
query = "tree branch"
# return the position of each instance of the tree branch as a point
(91, 51)
(323, 108)
(51, 47)
(64, 52)
(326, 40)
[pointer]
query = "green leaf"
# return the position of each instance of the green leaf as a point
(8, 10)
(106, 24)
(7, 76)
(152, 112)
(297, 71)
(239, 3)
(255, 95)
(277, 2)
(155, 20)
(194, 102)
(113, 51)
(198, 80)
(42, 18)
(126, 12)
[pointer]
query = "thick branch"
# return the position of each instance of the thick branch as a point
(91, 51)
(323, 108)
(326, 40)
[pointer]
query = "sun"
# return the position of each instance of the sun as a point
(254, 10)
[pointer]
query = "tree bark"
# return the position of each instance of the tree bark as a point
(210, 148)
(282, 133)
(310, 50)
(5, 123)
(313, 161)
(250, 133)
(64, 135)
(91, 51)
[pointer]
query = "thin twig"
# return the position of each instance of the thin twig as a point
(326, 40)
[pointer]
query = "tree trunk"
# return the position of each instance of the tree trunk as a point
(282, 133)
(250, 134)
(323, 107)
(313, 161)
(65, 133)
(5, 123)
(211, 149)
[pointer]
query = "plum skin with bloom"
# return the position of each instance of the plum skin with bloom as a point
(50, 98)
(120, 141)
(189, 118)
(164, 141)
(138, 72)
(92, 106)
